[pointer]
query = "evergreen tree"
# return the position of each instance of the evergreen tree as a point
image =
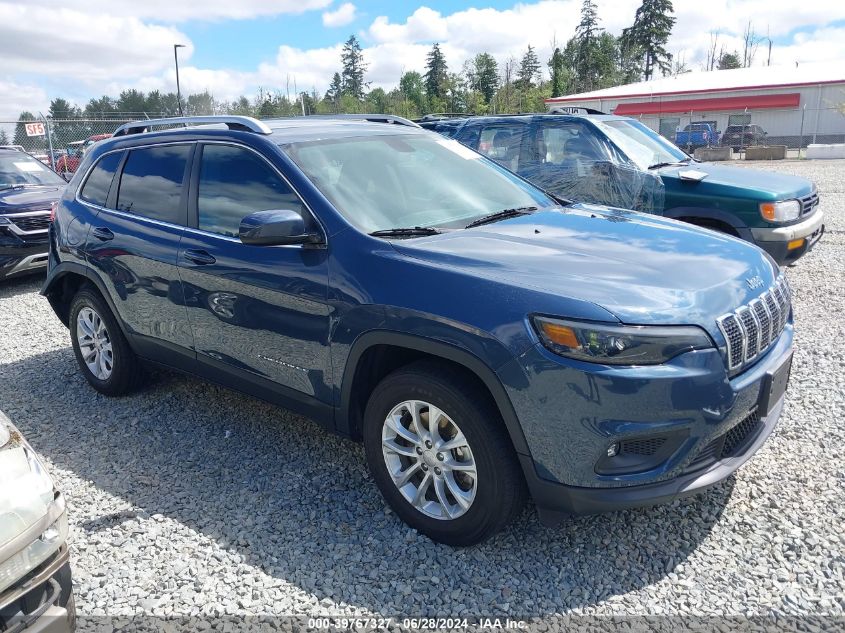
(484, 76)
(412, 89)
(132, 102)
(650, 32)
(586, 56)
(30, 143)
(4, 137)
(729, 60)
(436, 75)
(529, 69)
(354, 67)
(335, 89)
(558, 72)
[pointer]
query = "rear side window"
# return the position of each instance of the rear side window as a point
(96, 188)
(235, 182)
(151, 182)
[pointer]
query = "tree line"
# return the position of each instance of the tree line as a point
(590, 60)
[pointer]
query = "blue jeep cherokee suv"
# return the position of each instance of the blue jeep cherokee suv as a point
(482, 339)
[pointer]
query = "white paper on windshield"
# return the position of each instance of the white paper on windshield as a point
(29, 166)
(461, 150)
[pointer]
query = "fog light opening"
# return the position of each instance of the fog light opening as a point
(613, 449)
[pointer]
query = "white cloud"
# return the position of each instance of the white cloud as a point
(69, 43)
(342, 16)
(16, 97)
(91, 47)
(181, 10)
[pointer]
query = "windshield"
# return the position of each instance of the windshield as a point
(19, 169)
(410, 180)
(642, 144)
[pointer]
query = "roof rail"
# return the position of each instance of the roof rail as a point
(438, 116)
(242, 123)
(373, 118)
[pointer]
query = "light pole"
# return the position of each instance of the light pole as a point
(178, 91)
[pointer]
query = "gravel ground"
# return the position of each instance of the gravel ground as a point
(191, 499)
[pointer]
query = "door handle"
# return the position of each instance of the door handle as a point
(199, 256)
(102, 233)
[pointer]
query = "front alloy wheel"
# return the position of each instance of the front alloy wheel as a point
(429, 460)
(439, 452)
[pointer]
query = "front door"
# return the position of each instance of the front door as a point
(259, 311)
(133, 244)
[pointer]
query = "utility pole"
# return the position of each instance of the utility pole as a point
(178, 90)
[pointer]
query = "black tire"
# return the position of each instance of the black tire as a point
(127, 371)
(500, 493)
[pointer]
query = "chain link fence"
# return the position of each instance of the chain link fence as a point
(794, 128)
(59, 143)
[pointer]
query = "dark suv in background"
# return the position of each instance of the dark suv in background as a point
(481, 339)
(618, 161)
(740, 136)
(28, 191)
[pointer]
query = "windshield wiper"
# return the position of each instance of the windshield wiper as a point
(411, 231)
(677, 162)
(500, 215)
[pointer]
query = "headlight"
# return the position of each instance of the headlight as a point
(783, 211)
(19, 565)
(611, 344)
(5, 434)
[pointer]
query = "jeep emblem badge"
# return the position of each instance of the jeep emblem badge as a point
(754, 282)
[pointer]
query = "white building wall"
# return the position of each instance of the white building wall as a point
(820, 106)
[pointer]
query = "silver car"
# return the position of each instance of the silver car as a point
(35, 578)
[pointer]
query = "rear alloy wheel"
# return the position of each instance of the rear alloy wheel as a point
(101, 350)
(94, 343)
(439, 452)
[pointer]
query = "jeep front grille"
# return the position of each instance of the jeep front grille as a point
(752, 328)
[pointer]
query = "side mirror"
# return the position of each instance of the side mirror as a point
(276, 228)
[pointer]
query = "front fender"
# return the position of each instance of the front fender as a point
(442, 341)
(719, 215)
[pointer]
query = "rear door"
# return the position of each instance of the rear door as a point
(133, 244)
(259, 312)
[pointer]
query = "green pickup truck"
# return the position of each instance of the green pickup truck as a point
(618, 161)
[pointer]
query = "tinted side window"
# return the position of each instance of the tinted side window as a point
(235, 182)
(151, 182)
(502, 144)
(96, 188)
(562, 143)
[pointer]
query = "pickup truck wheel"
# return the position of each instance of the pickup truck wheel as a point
(101, 350)
(439, 453)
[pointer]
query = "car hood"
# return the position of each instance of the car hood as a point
(643, 269)
(28, 198)
(737, 182)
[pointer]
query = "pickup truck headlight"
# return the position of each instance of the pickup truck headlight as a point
(782, 211)
(612, 344)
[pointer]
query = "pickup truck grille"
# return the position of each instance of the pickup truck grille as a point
(809, 202)
(752, 329)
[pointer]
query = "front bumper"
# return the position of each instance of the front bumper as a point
(43, 603)
(571, 413)
(775, 241)
(19, 257)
